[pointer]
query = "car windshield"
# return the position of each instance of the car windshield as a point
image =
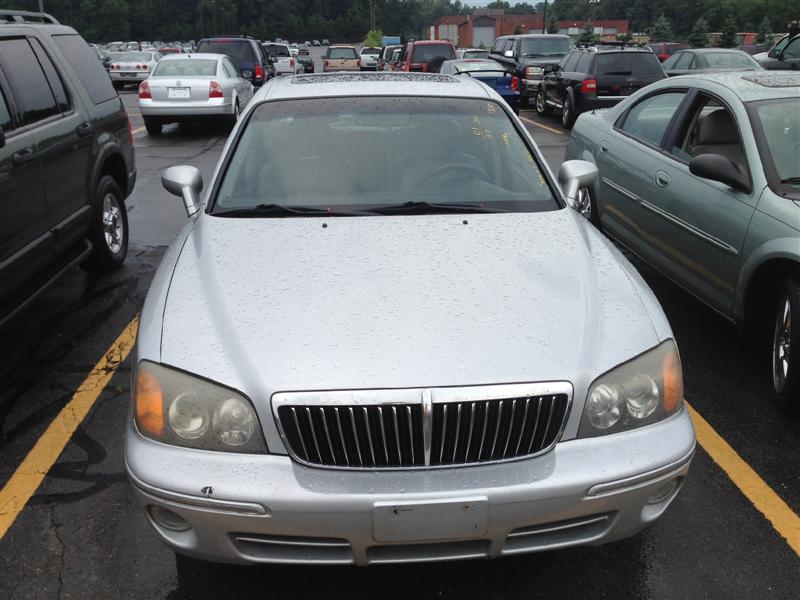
(779, 142)
(482, 65)
(626, 63)
(546, 46)
(361, 154)
(342, 53)
(236, 51)
(278, 50)
(476, 54)
(729, 59)
(134, 57)
(370, 51)
(427, 52)
(195, 67)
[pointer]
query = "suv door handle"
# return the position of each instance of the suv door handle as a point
(23, 156)
(662, 179)
(603, 147)
(85, 129)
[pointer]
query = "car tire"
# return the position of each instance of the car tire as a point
(786, 346)
(523, 101)
(541, 106)
(567, 113)
(153, 127)
(118, 86)
(235, 116)
(109, 229)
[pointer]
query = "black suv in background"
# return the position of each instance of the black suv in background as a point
(66, 159)
(527, 56)
(596, 76)
(245, 52)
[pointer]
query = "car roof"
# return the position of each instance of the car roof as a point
(535, 35)
(752, 85)
(341, 46)
(713, 51)
(381, 83)
(431, 42)
(194, 55)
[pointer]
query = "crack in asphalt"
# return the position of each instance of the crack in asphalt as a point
(55, 526)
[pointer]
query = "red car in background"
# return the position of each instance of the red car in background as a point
(663, 50)
(426, 56)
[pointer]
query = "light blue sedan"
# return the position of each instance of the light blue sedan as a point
(700, 177)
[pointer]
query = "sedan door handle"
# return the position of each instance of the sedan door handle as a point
(23, 156)
(603, 147)
(85, 129)
(662, 179)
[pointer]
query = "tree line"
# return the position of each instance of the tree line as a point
(349, 20)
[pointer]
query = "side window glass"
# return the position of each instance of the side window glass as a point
(710, 129)
(684, 58)
(83, 60)
(792, 50)
(53, 78)
(649, 119)
(583, 63)
(572, 61)
(29, 85)
(5, 114)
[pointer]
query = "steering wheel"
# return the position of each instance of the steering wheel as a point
(463, 167)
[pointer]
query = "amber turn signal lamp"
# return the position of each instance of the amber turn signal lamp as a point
(149, 404)
(673, 381)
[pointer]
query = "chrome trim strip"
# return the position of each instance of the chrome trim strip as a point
(636, 481)
(426, 397)
(270, 542)
(247, 508)
(706, 237)
(628, 194)
(534, 530)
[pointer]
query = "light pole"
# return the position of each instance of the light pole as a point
(544, 18)
(41, 6)
(594, 4)
(371, 17)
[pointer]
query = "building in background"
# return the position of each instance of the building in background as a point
(482, 27)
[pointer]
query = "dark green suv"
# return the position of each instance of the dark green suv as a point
(66, 159)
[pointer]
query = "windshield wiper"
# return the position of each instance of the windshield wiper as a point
(532, 54)
(791, 180)
(280, 209)
(434, 206)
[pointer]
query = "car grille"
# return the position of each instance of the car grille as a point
(401, 435)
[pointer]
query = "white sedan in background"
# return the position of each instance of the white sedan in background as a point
(132, 67)
(189, 87)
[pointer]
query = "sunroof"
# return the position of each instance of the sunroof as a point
(774, 80)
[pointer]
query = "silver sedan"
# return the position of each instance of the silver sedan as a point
(430, 359)
(132, 67)
(190, 87)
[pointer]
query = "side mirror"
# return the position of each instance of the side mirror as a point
(508, 54)
(573, 177)
(720, 168)
(186, 182)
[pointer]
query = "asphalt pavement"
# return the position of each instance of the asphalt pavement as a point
(81, 535)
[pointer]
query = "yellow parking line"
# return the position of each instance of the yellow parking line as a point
(30, 473)
(532, 122)
(777, 512)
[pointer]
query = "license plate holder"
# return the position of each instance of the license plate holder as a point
(432, 520)
(178, 92)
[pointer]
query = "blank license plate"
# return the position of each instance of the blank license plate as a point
(435, 520)
(178, 92)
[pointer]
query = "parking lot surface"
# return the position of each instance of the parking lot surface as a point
(731, 533)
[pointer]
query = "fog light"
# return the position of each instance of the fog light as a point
(168, 519)
(665, 491)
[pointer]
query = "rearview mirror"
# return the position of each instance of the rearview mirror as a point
(508, 54)
(574, 176)
(187, 182)
(720, 168)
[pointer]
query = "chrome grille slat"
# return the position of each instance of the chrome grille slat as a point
(459, 431)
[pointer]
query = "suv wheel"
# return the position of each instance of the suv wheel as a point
(109, 229)
(567, 114)
(153, 127)
(786, 346)
(541, 105)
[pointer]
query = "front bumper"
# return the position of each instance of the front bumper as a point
(267, 508)
(530, 87)
(177, 108)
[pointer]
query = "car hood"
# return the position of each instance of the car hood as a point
(274, 304)
(542, 61)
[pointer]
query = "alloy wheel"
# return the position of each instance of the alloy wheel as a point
(565, 113)
(112, 223)
(540, 103)
(781, 345)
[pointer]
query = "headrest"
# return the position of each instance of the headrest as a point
(717, 128)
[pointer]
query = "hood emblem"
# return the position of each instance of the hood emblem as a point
(178, 83)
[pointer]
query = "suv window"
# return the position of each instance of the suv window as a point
(238, 52)
(5, 115)
(56, 85)
(571, 61)
(428, 52)
(89, 70)
(498, 44)
(342, 53)
(583, 62)
(32, 92)
(278, 50)
(649, 119)
(626, 63)
(546, 46)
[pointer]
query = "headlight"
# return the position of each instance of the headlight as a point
(531, 71)
(644, 390)
(184, 410)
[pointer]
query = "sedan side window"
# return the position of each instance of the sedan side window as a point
(649, 119)
(684, 61)
(792, 50)
(710, 129)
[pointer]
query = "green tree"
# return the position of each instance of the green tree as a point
(764, 31)
(519, 29)
(552, 25)
(662, 30)
(374, 38)
(729, 37)
(587, 33)
(698, 38)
